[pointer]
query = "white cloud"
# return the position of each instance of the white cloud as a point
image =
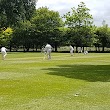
(98, 8)
(57, 4)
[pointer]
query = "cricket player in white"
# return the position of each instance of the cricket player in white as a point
(48, 49)
(71, 50)
(85, 52)
(3, 52)
(43, 51)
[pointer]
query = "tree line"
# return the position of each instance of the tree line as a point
(24, 26)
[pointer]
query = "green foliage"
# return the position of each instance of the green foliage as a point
(78, 17)
(23, 35)
(103, 35)
(46, 19)
(80, 23)
(6, 36)
(47, 23)
(42, 28)
(15, 11)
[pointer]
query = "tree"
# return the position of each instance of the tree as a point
(47, 23)
(6, 36)
(23, 36)
(108, 44)
(80, 23)
(103, 34)
(14, 11)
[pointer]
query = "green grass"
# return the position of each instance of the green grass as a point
(80, 82)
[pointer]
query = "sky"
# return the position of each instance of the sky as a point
(99, 9)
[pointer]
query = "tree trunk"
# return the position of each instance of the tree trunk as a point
(10, 47)
(103, 49)
(55, 46)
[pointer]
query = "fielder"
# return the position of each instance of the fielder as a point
(43, 51)
(85, 52)
(48, 49)
(79, 50)
(71, 50)
(3, 52)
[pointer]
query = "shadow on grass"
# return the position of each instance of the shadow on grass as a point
(91, 73)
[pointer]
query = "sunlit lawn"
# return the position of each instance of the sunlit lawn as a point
(79, 82)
